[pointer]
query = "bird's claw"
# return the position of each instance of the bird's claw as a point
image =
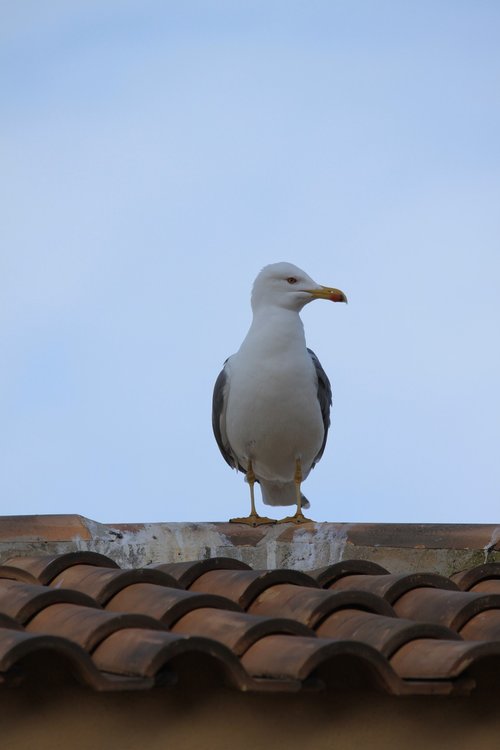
(253, 520)
(297, 518)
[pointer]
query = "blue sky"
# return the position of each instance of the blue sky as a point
(155, 155)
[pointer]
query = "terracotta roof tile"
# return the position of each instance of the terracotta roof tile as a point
(103, 583)
(483, 626)
(149, 653)
(16, 574)
(351, 622)
(386, 634)
(243, 586)
(437, 660)
(85, 625)
(299, 658)
(23, 600)
(467, 579)
(488, 586)
(16, 646)
(312, 606)
(450, 608)
(391, 587)
(238, 631)
(331, 573)
(164, 603)
(187, 572)
(46, 567)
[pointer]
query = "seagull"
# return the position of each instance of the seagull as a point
(271, 401)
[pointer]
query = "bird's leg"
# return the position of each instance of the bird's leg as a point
(298, 516)
(251, 484)
(253, 519)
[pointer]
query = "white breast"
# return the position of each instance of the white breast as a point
(273, 415)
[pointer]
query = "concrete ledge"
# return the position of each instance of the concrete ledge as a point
(444, 549)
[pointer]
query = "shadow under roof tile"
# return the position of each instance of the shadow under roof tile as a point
(16, 647)
(151, 654)
(304, 658)
(9, 622)
(103, 583)
(243, 586)
(164, 603)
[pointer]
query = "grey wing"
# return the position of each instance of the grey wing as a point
(219, 401)
(324, 398)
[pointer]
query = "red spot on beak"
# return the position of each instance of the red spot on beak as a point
(337, 296)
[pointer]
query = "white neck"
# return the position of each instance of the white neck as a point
(274, 330)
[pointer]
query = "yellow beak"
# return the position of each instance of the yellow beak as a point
(328, 292)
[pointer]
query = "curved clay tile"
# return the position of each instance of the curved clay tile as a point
(468, 579)
(311, 606)
(440, 660)
(237, 630)
(103, 583)
(450, 608)
(46, 567)
(187, 572)
(299, 658)
(86, 626)
(487, 586)
(164, 603)
(357, 630)
(386, 634)
(16, 574)
(330, 573)
(485, 626)
(392, 586)
(24, 600)
(243, 586)
(17, 646)
(149, 654)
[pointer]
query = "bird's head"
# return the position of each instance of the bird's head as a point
(287, 286)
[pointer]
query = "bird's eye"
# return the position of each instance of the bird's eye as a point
(292, 280)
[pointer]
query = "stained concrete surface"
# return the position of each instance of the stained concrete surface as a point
(443, 549)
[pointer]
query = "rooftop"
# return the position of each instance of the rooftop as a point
(406, 610)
